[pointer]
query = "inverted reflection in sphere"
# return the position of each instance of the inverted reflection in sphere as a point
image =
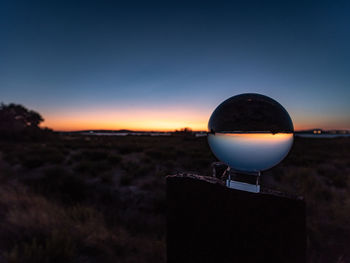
(250, 132)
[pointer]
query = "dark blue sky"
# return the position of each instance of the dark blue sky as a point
(165, 65)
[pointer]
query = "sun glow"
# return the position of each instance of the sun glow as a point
(166, 119)
(145, 120)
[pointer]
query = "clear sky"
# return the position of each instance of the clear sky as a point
(148, 65)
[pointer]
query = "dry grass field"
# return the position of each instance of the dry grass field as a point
(74, 198)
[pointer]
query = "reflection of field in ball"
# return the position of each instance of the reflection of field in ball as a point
(251, 152)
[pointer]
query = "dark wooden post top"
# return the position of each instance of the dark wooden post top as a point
(208, 222)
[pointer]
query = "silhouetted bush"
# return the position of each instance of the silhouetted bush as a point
(129, 148)
(58, 247)
(19, 123)
(92, 168)
(33, 157)
(59, 184)
(126, 179)
(114, 158)
(92, 155)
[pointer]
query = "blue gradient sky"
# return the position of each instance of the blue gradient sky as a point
(167, 65)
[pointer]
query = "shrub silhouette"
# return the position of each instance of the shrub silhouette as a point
(59, 184)
(16, 121)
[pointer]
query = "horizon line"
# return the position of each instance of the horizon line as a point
(181, 129)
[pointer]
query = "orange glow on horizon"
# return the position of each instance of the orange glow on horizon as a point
(137, 120)
(151, 120)
(143, 123)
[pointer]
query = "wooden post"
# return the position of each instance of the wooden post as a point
(208, 222)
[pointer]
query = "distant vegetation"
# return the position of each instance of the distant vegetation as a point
(17, 122)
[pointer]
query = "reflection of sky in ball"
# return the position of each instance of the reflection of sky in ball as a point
(251, 151)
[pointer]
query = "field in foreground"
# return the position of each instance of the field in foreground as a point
(102, 199)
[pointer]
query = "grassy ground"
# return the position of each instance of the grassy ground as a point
(102, 199)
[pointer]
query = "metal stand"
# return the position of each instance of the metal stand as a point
(243, 186)
(244, 181)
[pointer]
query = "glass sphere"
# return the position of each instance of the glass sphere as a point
(250, 132)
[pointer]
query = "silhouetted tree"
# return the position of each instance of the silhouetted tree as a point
(16, 120)
(184, 132)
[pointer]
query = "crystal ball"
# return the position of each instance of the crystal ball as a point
(250, 132)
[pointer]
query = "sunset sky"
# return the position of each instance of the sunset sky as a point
(148, 65)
